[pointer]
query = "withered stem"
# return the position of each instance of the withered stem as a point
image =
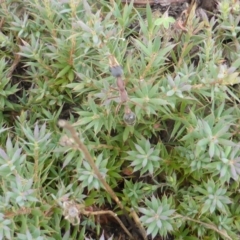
(112, 214)
(83, 148)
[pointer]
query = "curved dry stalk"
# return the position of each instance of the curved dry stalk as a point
(139, 224)
(83, 148)
(207, 225)
(153, 2)
(110, 213)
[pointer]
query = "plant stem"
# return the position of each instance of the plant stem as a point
(110, 213)
(83, 148)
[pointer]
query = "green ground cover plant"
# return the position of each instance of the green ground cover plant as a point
(148, 145)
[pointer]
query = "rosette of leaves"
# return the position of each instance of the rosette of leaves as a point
(135, 191)
(213, 197)
(144, 157)
(87, 175)
(157, 216)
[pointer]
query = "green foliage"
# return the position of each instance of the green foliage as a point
(178, 166)
(138, 190)
(157, 216)
(88, 177)
(5, 229)
(214, 197)
(144, 158)
(6, 88)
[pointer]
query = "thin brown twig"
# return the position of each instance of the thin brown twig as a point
(83, 148)
(191, 8)
(207, 225)
(153, 2)
(110, 213)
(14, 65)
(2, 21)
(139, 224)
(117, 72)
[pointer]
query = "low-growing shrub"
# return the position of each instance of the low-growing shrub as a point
(155, 108)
